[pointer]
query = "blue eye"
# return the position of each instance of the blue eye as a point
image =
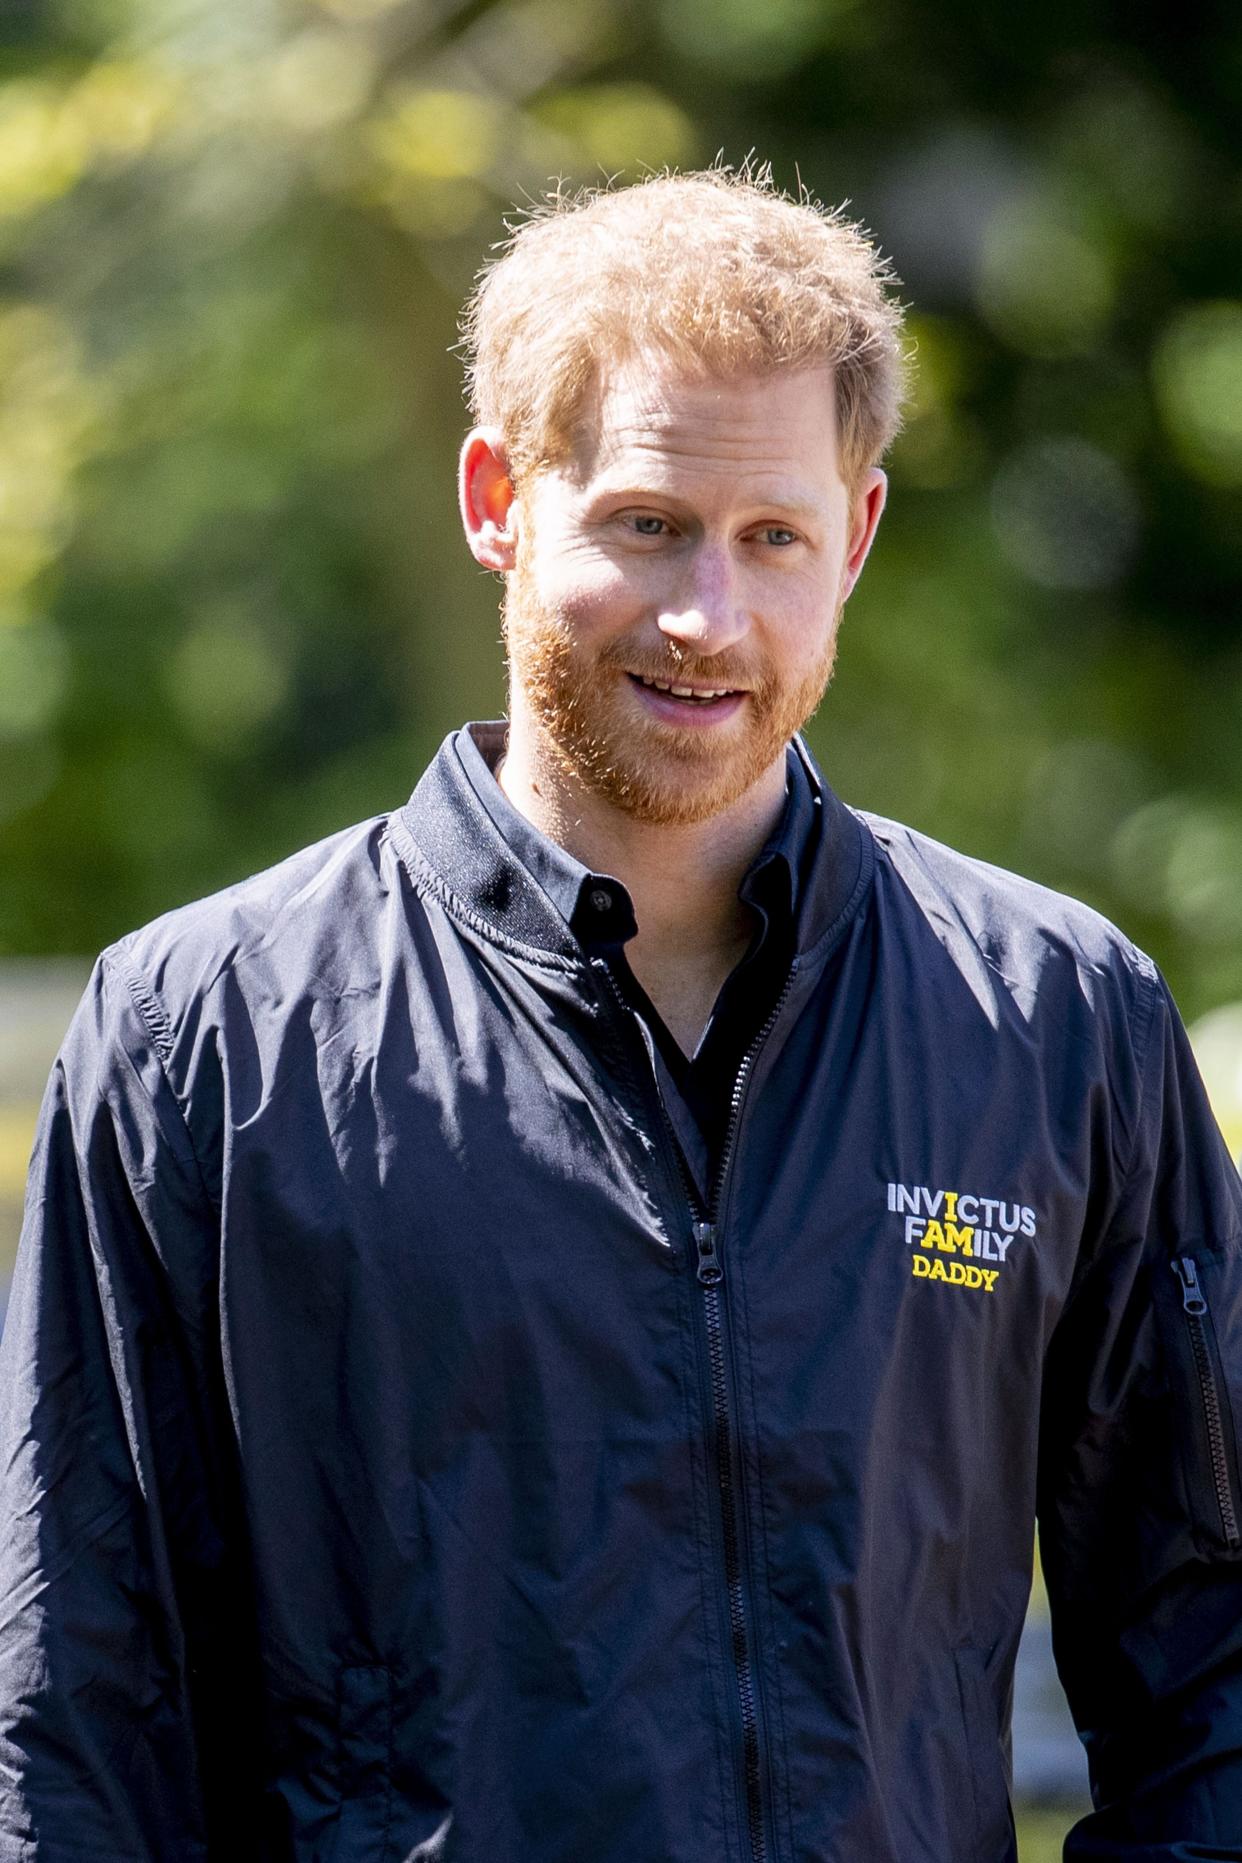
(777, 534)
(648, 526)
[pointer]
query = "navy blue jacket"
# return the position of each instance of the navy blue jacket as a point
(401, 1461)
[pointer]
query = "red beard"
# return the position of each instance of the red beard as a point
(589, 715)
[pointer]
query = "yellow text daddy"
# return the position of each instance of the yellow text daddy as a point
(952, 1234)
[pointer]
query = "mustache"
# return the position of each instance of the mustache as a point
(718, 669)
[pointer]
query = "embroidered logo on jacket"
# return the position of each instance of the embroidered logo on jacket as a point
(952, 1234)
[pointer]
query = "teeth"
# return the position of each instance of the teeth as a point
(685, 692)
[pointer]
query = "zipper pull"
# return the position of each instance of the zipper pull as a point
(710, 1268)
(1192, 1294)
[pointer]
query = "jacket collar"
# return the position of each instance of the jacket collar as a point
(596, 906)
(521, 900)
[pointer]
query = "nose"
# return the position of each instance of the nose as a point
(706, 615)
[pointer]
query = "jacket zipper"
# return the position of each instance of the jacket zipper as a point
(1195, 1307)
(709, 1271)
(711, 1274)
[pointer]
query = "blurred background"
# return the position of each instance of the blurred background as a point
(235, 613)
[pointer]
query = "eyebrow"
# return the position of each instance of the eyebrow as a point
(786, 500)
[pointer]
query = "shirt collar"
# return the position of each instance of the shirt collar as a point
(597, 906)
(773, 882)
(455, 832)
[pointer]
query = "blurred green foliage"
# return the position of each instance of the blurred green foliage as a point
(234, 609)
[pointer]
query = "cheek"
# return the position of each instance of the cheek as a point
(588, 593)
(803, 623)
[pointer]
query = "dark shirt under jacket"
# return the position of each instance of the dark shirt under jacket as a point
(696, 1089)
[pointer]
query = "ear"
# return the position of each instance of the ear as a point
(488, 506)
(865, 513)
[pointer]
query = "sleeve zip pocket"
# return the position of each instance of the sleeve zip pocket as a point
(1217, 1422)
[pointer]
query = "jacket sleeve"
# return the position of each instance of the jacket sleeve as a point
(1140, 1503)
(111, 1554)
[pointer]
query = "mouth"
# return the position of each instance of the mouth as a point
(687, 705)
(687, 695)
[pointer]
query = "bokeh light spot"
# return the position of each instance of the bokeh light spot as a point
(1042, 285)
(1128, 146)
(620, 126)
(1217, 1042)
(1198, 379)
(42, 150)
(1204, 874)
(760, 41)
(1079, 792)
(321, 78)
(226, 678)
(34, 667)
(1182, 855)
(438, 135)
(120, 107)
(436, 209)
(1065, 514)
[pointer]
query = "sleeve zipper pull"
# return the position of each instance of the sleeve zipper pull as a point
(1192, 1294)
(710, 1266)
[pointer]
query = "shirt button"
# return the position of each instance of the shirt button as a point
(601, 898)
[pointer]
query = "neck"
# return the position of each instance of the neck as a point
(682, 877)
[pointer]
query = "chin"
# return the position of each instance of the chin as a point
(651, 772)
(670, 785)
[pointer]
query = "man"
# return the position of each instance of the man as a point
(545, 1321)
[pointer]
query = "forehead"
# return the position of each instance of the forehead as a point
(654, 415)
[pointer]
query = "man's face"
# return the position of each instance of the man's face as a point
(703, 540)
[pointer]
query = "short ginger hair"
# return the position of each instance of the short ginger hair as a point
(718, 268)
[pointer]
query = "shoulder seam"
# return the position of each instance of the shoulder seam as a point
(143, 998)
(1143, 1028)
(158, 1027)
